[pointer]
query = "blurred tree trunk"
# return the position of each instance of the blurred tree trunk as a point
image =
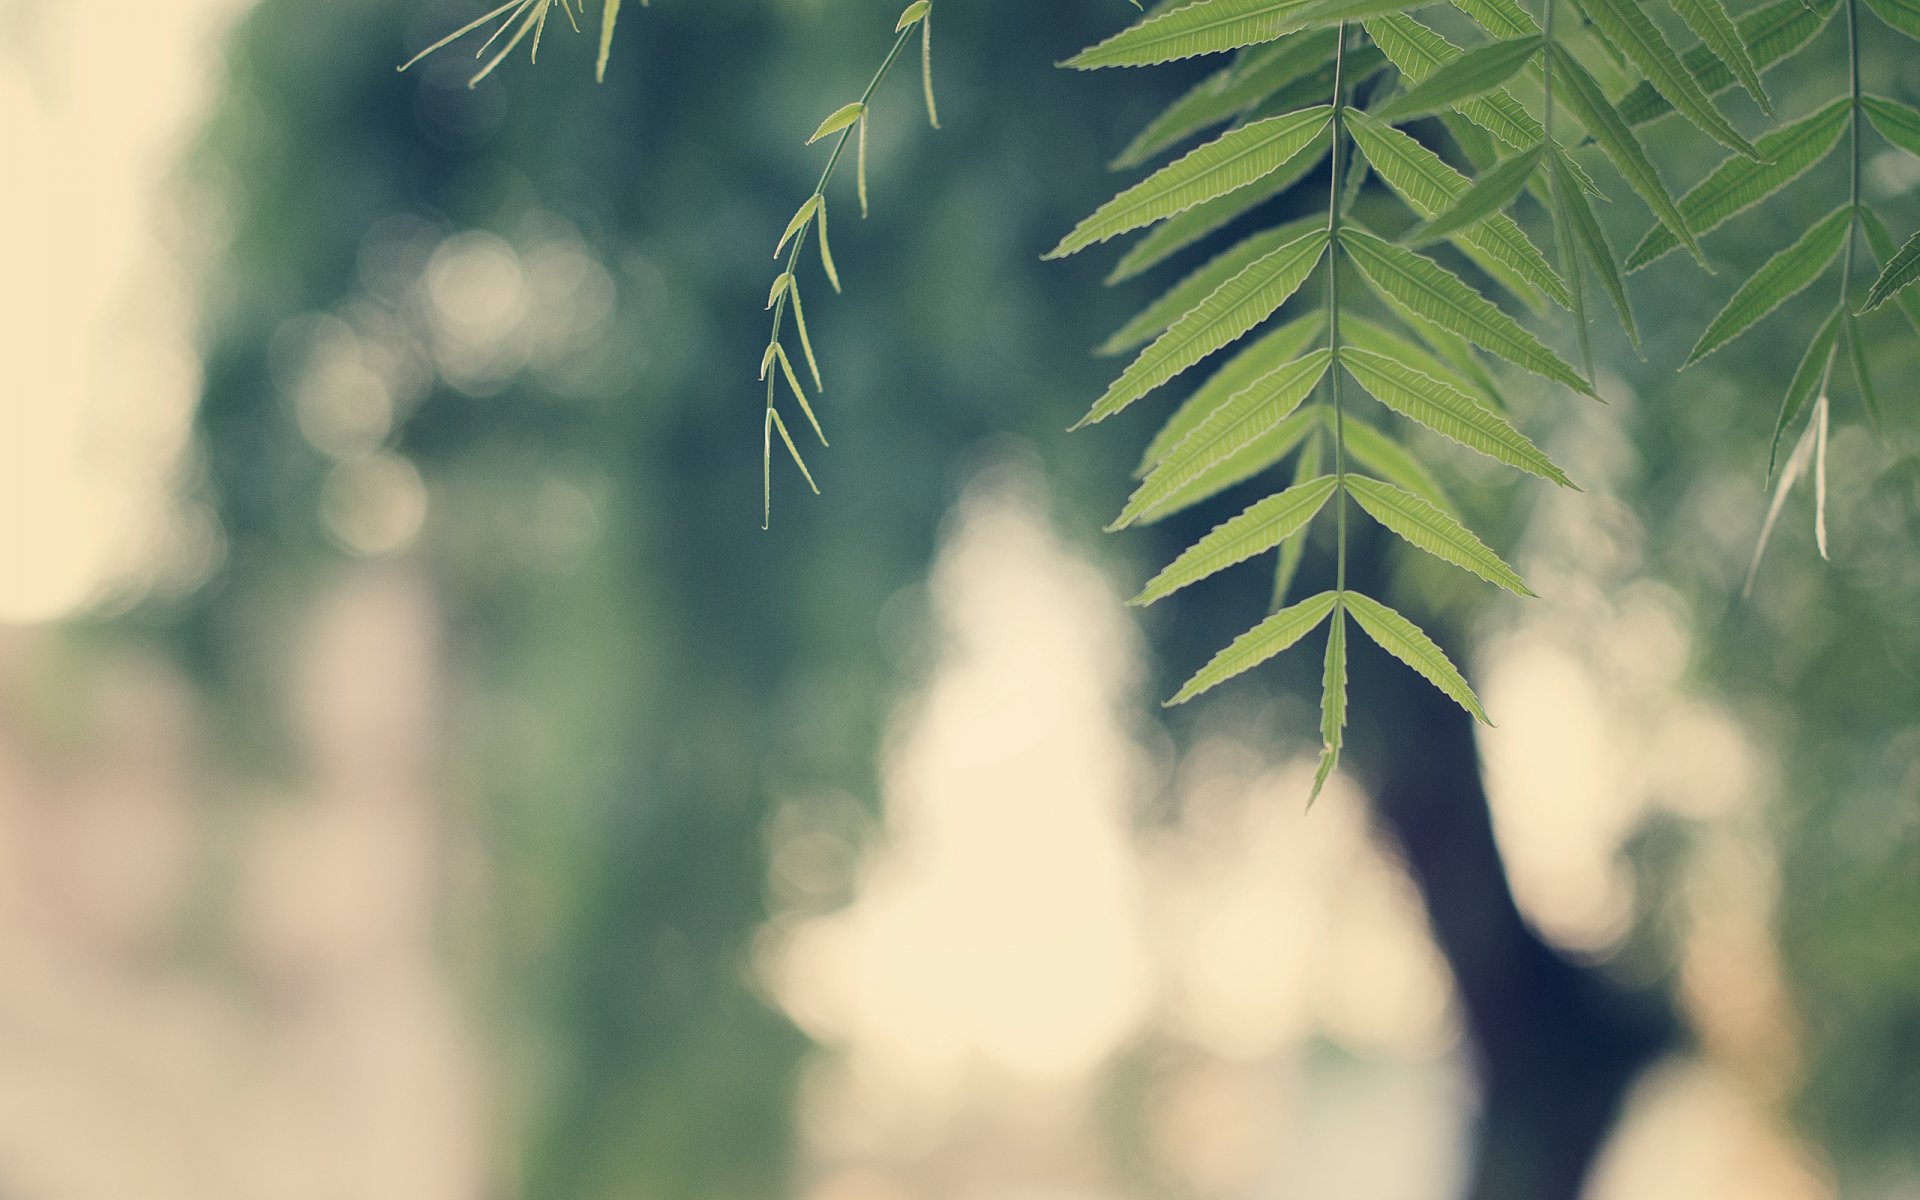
(1556, 1043)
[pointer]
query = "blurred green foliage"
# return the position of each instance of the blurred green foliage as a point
(646, 696)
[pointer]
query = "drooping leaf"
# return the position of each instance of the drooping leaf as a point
(1714, 27)
(1333, 703)
(780, 425)
(826, 251)
(1740, 183)
(1628, 28)
(1789, 475)
(1405, 641)
(1863, 379)
(1783, 276)
(1427, 288)
(1617, 141)
(926, 68)
(1449, 412)
(1259, 644)
(1815, 365)
(1880, 241)
(1238, 305)
(1425, 527)
(1590, 238)
(1771, 33)
(1227, 164)
(1248, 413)
(609, 14)
(1899, 272)
(1265, 524)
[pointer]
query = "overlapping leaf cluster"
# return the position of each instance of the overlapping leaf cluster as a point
(849, 123)
(1323, 341)
(516, 20)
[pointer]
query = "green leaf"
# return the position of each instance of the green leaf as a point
(1418, 52)
(1740, 183)
(1248, 413)
(839, 119)
(1903, 15)
(1265, 524)
(1228, 92)
(1578, 220)
(914, 12)
(799, 393)
(1293, 551)
(1610, 132)
(1181, 230)
(1896, 122)
(1259, 644)
(1491, 193)
(1376, 452)
(1265, 353)
(1184, 296)
(1367, 334)
(1426, 528)
(1900, 272)
(1710, 23)
(1449, 412)
(780, 425)
(1857, 352)
(1880, 241)
(1333, 703)
(926, 68)
(1429, 290)
(1501, 18)
(1265, 450)
(1626, 25)
(1204, 27)
(1227, 164)
(1807, 379)
(1783, 276)
(1238, 305)
(1771, 33)
(800, 325)
(1474, 73)
(1429, 186)
(1404, 640)
(608, 15)
(826, 252)
(799, 222)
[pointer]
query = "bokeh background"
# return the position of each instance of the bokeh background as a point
(420, 776)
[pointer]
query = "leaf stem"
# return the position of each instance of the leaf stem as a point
(1333, 319)
(800, 238)
(1853, 182)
